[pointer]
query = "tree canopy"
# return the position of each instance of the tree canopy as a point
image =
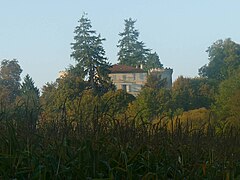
(29, 103)
(89, 53)
(193, 93)
(132, 52)
(153, 61)
(227, 105)
(224, 59)
(10, 72)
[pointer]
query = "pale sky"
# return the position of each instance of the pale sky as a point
(38, 33)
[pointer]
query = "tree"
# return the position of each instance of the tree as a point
(115, 103)
(28, 88)
(193, 93)
(227, 106)
(132, 52)
(71, 85)
(154, 81)
(10, 72)
(151, 104)
(89, 52)
(153, 61)
(50, 108)
(224, 60)
(61, 93)
(29, 102)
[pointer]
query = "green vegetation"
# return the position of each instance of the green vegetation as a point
(80, 127)
(133, 52)
(90, 55)
(106, 148)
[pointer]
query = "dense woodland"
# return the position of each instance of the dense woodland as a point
(81, 127)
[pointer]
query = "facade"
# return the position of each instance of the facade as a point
(128, 78)
(132, 79)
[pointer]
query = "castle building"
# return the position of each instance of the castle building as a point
(128, 78)
(132, 79)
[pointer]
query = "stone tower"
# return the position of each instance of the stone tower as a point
(165, 73)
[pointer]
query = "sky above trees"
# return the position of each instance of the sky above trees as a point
(38, 34)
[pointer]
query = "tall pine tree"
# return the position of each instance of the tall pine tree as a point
(28, 89)
(29, 101)
(132, 51)
(89, 53)
(153, 61)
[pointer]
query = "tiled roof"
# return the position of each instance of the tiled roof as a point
(117, 68)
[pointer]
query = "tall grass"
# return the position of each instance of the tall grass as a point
(105, 148)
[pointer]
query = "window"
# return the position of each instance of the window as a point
(124, 87)
(124, 77)
(141, 76)
(129, 88)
